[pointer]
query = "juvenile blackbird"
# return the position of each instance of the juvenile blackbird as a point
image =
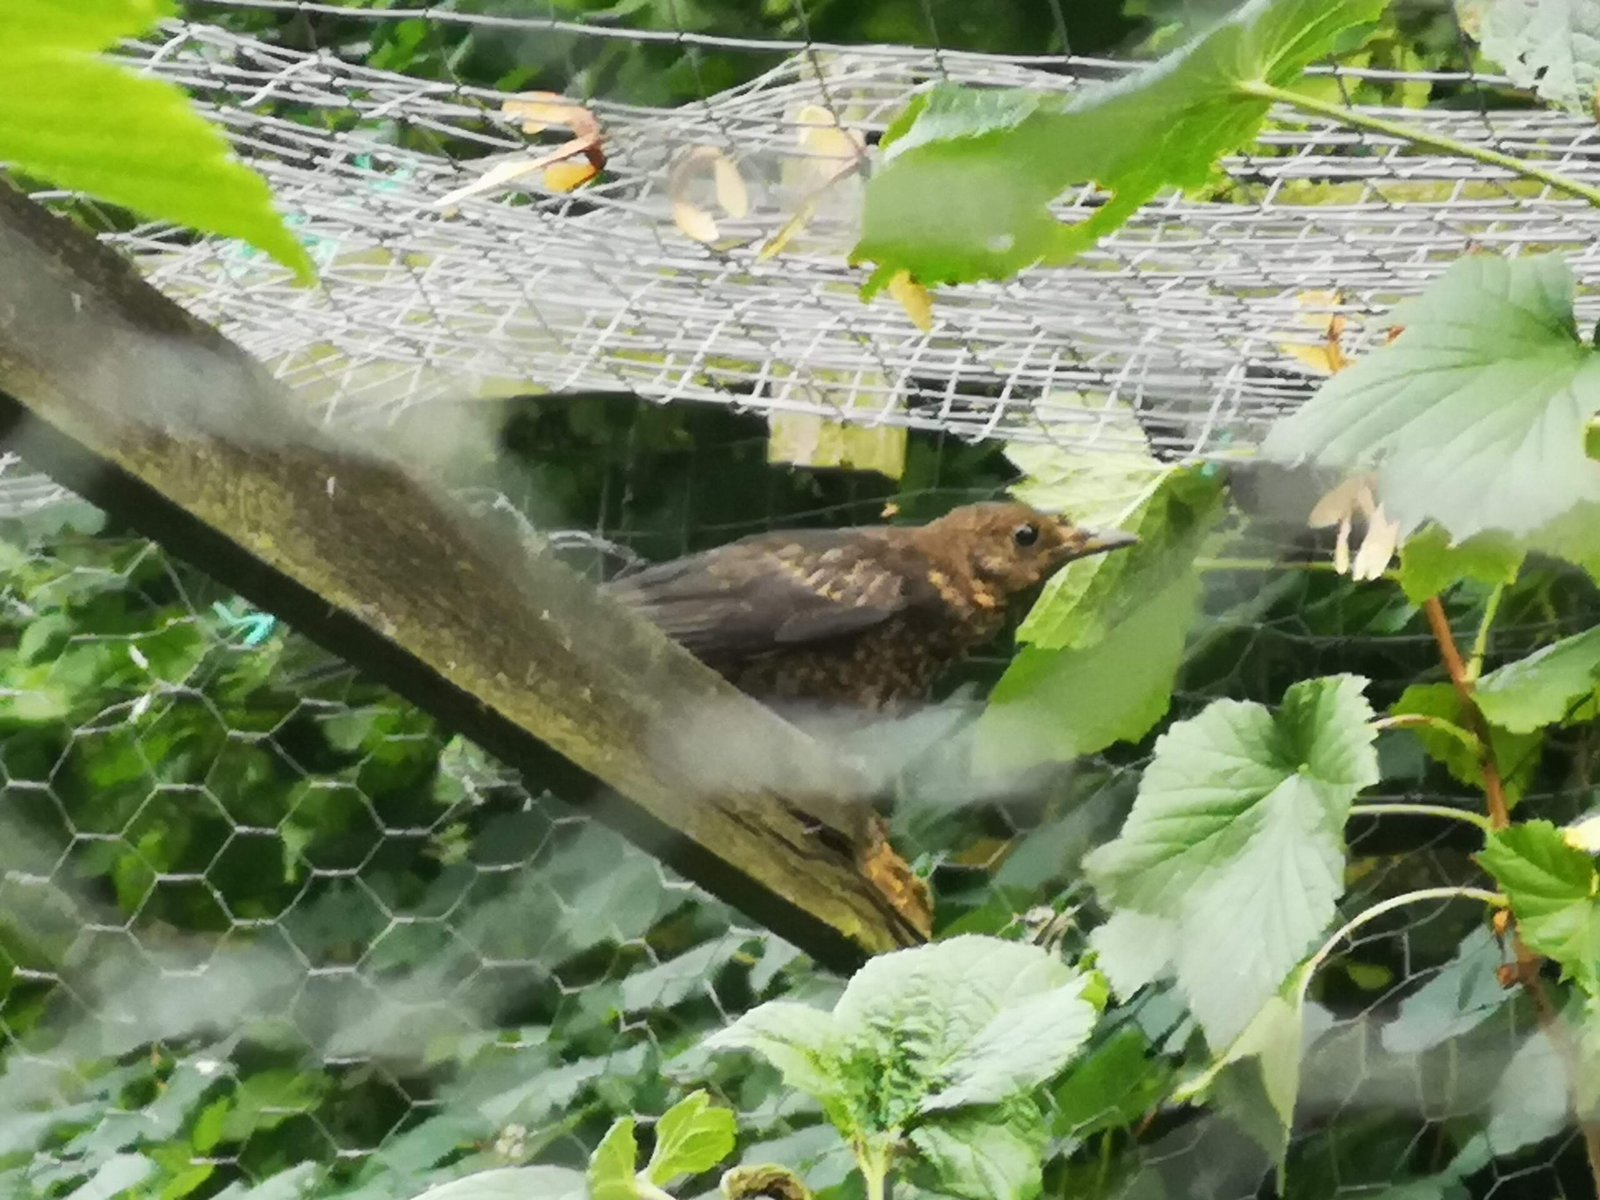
(865, 617)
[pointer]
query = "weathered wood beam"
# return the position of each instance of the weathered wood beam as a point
(128, 400)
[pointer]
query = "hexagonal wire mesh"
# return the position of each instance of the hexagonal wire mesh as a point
(269, 933)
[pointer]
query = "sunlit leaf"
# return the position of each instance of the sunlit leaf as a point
(613, 1164)
(85, 123)
(1237, 836)
(968, 174)
(692, 1136)
(1474, 416)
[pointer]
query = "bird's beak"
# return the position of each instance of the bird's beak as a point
(1098, 541)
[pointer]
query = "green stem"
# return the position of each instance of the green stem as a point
(1262, 90)
(1480, 644)
(873, 1163)
(1437, 724)
(1494, 899)
(1421, 810)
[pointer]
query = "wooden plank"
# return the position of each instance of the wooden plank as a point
(122, 396)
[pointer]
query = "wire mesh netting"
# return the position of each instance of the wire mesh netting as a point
(266, 931)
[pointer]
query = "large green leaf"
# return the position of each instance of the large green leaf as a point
(798, 1040)
(1086, 599)
(81, 122)
(1551, 46)
(1474, 416)
(1094, 486)
(985, 1154)
(944, 1021)
(1058, 704)
(968, 174)
(1554, 891)
(1551, 685)
(1237, 837)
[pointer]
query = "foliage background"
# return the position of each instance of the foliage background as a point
(264, 931)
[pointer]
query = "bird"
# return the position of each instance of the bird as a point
(865, 618)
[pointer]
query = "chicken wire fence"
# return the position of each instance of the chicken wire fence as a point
(268, 932)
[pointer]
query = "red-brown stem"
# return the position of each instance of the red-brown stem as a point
(1549, 1016)
(1493, 786)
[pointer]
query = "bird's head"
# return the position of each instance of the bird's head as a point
(1013, 547)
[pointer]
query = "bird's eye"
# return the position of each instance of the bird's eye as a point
(1025, 535)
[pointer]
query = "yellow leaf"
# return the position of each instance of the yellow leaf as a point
(1583, 835)
(731, 192)
(569, 176)
(1328, 357)
(695, 222)
(914, 298)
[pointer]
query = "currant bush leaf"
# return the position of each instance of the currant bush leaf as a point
(1548, 687)
(613, 1164)
(1474, 416)
(1237, 837)
(965, 186)
(1549, 46)
(1516, 754)
(84, 123)
(1431, 564)
(511, 1183)
(796, 1039)
(1054, 705)
(985, 1154)
(1554, 892)
(692, 1136)
(1085, 600)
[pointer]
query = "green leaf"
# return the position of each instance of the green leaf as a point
(1546, 687)
(1474, 416)
(1552, 46)
(1085, 600)
(1094, 486)
(611, 1174)
(985, 1154)
(691, 1137)
(85, 123)
(511, 1183)
(1516, 754)
(1237, 836)
(1430, 564)
(1022, 1046)
(1134, 949)
(963, 192)
(1553, 889)
(1465, 993)
(796, 1039)
(1054, 705)
(1112, 1087)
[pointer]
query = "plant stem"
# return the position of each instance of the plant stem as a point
(1421, 810)
(1262, 90)
(1437, 724)
(1551, 1021)
(1377, 910)
(1493, 788)
(1480, 644)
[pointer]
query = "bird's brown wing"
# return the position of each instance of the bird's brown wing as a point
(767, 593)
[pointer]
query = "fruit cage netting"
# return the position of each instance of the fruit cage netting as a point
(267, 932)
